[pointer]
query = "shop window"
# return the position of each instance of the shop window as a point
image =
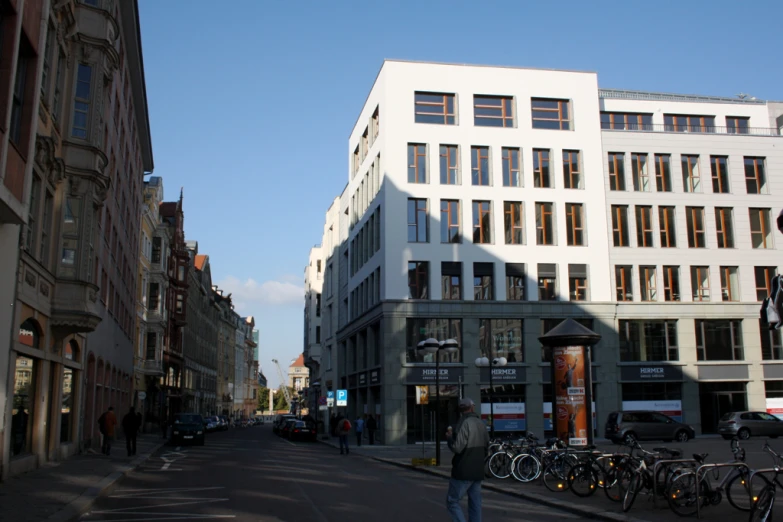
(642, 341)
(773, 389)
(420, 329)
(508, 403)
(771, 346)
(652, 391)
(66, 408)
(719, 340)
(502, 338)
(23, 404)
(30, 334)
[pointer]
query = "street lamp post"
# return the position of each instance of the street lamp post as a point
(434, 347)
(484, 362)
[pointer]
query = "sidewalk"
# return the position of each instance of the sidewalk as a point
(62, 491)
(595, 507)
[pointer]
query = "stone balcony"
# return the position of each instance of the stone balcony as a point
(75, 307)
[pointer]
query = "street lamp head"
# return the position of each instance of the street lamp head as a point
(449, 346)
(430, 345)
(482, 361)
(500, 361)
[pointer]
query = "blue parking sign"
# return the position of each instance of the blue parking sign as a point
(342, 397)
(330, 395)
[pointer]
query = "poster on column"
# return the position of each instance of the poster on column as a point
(548, 417)
(570, 415)
(509, 416)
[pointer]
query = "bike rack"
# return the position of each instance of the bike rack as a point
(660, 463)
(715, 466)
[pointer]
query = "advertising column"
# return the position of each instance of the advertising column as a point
(569, 345)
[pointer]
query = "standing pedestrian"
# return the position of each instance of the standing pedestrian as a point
(130, 425)
(371, 426)
(359, 430)
(107, 423)
(343, 430)
(469, 442)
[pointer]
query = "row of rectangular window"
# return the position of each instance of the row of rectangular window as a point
(673, 122)
(450, 169)
(366, 242)
(366, 191)
(760, 227)
(484, 281)
(700, 283)
(755, 173)
(492, 111)
(513, 222)
(369, 136)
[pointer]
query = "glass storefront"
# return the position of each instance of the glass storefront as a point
(67, 406)
(23, 403)
(421, 417)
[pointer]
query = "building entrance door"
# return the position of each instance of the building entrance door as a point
(718, 399)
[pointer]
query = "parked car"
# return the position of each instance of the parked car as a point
(224, 422)
(629, 426)
(188, 427)
(746, 424)
(279, 420)
(288, 425)
(301, 430)
(211, 424)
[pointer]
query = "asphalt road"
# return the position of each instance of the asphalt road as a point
(252, 475)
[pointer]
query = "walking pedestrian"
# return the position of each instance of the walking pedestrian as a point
(359, 430)
(469, 442)
(107, 423)
(371, 426)
(343, 430)
(130, 425)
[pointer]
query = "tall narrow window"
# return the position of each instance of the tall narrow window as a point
(418, 229)
(577, 282)
(624, 283)
(483, 287)
(755, 178)
(46, 229)
(547, 282)
(620, 226)
(671, 283)
(648, 281)
(575, 224)
(720, 174)
(545, 224)
(737, 124)
(572, 170)
(451, 280)
(482, 222)
(18, 101)
(688, 123)
(479, 165)
(511, 167)
(729, 283)
(513, 223)
(616, 171)
(417, 163)
(760, 231)
(700, 283)
(515, 281)
(663, 173)
(764, 276)
(81, 104)
(696, 234)
(644, 226)
(551, 114)
(47, 61)
(641, 177)
(691, 175)
(666, 224)
(493, 111)
(418, 279)
(58, 86)
(541, 173)
(449, 165)
(431, 107)
(32, 216)
(724, 226)
(449, 221)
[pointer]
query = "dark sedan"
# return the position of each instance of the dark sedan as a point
(300, 430)
(188, 427)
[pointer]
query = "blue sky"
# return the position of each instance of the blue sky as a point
(251, 102)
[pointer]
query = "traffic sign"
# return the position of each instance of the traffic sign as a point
(342, 397)
(329, 402)
(142, 395)
(330, 394)
(322, 401)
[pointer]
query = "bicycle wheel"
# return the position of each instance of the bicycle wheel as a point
(611, 483)
(738, 491)
(525, 468)
(500, 465)
(634, 485)
(762, 508)
(583, 480)
(682, 494)
(556, 477)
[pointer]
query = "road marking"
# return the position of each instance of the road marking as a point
(178, 448)
(178, 516)
(133, 492)
(131, 510)
(165, 466)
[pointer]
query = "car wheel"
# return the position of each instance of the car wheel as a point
(743, 434)
(629, 439)
(682, 436)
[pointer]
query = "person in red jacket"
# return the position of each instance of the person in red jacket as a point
(108, 424)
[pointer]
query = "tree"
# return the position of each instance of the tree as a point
(263, 398)
(280, 402)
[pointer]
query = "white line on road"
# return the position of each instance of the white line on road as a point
(165, 466)
(177, 517)
(168, 489)
(131, 510)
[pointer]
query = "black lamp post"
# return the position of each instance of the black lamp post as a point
(484, 362)
(434, 347)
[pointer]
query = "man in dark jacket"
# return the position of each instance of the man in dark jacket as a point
(130, 425)
(469, 442)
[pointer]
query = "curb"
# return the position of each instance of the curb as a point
(76, 508)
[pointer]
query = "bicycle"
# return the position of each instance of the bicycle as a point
(598, 470)
(761, 510)
(640, 474)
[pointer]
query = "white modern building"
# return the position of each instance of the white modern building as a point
(487, 204)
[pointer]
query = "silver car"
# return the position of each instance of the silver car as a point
(746, 424)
